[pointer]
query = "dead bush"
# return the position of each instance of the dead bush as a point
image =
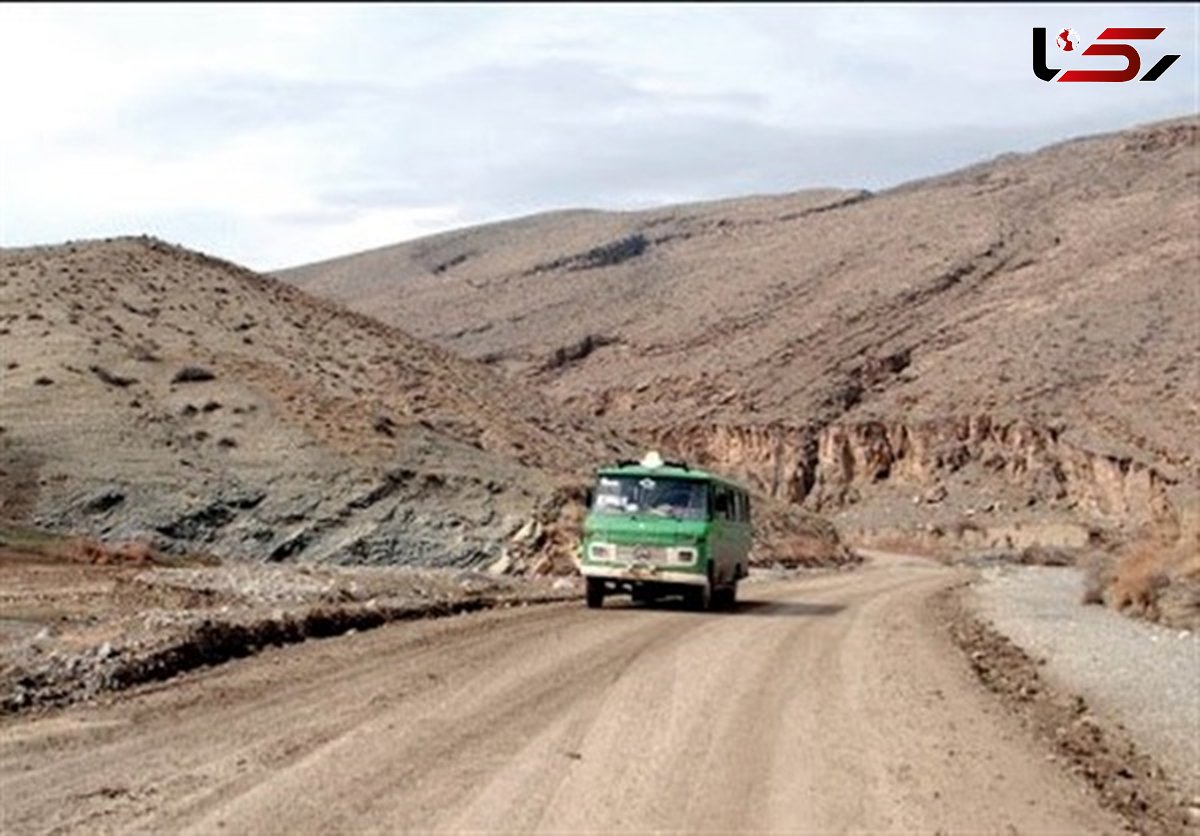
(87, 550)
(1158, 579)
(1141, 573)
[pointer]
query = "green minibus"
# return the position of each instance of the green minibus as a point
(657, 528)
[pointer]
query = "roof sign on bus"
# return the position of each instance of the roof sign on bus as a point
(652, 459)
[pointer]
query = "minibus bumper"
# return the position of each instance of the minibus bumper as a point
(644, 574)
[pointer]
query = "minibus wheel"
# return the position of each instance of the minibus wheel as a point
(595, 593)
(701, 597)
(726, 596)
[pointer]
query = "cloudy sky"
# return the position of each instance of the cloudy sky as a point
(274, 135)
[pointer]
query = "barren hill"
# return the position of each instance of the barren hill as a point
(1015, 341)
(153, 391)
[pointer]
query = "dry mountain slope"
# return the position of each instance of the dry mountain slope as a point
(153, 392)
(1020, 336)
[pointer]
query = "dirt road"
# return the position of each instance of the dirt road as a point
(822, 705)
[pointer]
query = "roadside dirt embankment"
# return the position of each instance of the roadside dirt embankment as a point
(78, 619)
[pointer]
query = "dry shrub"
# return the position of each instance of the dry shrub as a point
(1159, 579)
(1140, 574)
(1179, 603)
(86, 550)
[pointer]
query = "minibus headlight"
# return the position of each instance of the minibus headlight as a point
(685, 555)
(600, 551)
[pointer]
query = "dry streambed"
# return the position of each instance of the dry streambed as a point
(1114, 698)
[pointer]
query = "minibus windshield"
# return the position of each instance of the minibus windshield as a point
(685, 499)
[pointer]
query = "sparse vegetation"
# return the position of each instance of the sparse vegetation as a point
(1154, 577)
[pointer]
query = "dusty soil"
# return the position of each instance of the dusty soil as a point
(829, 704)
(72, 628)
(1011, 345)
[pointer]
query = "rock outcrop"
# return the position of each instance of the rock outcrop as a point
(823, 468)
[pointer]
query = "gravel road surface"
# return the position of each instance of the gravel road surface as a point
(1131, 672)
(825, 704)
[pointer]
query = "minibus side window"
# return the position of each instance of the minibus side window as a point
(722, 504)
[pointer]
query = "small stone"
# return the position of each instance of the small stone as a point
(529, 531)
(501, 566)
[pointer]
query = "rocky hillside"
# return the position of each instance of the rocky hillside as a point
(1009, 350)
(150, 392)
(157, 395)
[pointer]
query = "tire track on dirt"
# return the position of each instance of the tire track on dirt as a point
(828, 703)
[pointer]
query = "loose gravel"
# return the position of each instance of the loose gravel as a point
(1140, 675)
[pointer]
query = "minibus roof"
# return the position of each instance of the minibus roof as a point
(667, 472)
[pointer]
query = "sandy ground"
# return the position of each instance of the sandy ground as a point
(835, 703)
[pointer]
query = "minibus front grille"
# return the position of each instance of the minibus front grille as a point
(642, 554)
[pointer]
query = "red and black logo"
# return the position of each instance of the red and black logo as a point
(1067, 42)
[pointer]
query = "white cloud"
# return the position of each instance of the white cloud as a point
(276, 134)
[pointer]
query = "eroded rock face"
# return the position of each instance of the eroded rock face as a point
(823, 468)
